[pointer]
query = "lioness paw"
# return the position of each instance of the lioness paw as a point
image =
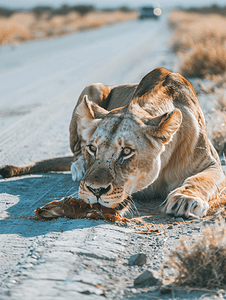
(181, 205)
(78, 169)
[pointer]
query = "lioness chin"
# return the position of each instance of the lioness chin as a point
(130, 137)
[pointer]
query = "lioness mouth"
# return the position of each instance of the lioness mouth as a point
(98, 201)
(99, 192)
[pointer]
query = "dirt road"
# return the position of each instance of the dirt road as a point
(40, 82)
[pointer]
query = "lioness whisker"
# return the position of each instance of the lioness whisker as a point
(128, 206)
(74, 194)
(133, 205)
(131, 210)
(67, 193)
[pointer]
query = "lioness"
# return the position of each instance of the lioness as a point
(126, 138)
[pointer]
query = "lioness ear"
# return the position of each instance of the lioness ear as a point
(89, 116)
(163, 127)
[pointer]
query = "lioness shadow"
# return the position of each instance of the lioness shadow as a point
(20, 196)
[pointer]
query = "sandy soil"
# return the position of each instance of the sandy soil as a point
(75, 259)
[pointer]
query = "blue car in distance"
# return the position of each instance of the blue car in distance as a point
(148, 12)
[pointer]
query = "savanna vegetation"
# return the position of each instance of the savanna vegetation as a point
(199, 39)
(46, 22)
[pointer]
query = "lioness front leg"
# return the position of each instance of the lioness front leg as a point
(97, 93)
(191, 199)
(78, 168)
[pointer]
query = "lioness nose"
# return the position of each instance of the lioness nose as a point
(99, 191)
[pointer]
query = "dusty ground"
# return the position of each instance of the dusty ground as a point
(76, 259)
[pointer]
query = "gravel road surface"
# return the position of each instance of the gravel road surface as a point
(40, 82)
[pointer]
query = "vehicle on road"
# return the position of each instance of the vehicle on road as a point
(147, 12)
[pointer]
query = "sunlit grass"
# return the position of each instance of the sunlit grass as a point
(200, 41)
(23, 26)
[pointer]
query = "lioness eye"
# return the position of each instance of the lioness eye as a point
(92, 149)
(126, 151)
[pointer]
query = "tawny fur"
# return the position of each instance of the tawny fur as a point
(150, 136)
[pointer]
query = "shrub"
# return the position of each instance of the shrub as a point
(203, 60)
(200, 41)
(4, 12)
(40, 10)
(217, 131)
(209, 10)
(203, 263)
(12, 31)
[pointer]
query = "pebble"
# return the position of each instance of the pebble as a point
(147, 278)
(196, 228)
(172, 220)
(165, 290)
(179, 219)
(170, 227)
(138, 259)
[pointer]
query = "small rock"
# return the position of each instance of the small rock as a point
(165, 290)
(170, 227)
(138, 259)
(147, 278)
(179, 220)
(196, 228)
(166, 266)
(172, 220)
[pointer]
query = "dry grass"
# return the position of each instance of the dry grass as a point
(203, 263)
(12, 31)
(221, 101)
(203, 60)
(216, 127)
(200, 41)
(23, 26)
(217, 206)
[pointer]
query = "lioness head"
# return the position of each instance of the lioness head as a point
(122, 150)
